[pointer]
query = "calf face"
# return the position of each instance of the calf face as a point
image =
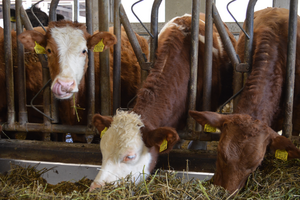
(66, 45)
(242, 146)
(123, 149)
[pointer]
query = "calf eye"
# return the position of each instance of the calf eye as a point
(129, 157)
(49, 51)
(84, 51)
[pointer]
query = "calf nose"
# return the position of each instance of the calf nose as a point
(66, 85)
(95, 185)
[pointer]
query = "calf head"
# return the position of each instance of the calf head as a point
(242, 146)
(123, 150)
(66, 45)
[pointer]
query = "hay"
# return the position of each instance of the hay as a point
(274, 179)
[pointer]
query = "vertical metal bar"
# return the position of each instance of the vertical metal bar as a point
(54, 101)
(21, 69)
(132, 37)
(117, 58)
(90, 70)
(8, 63)
(154, 29)
(76, 9)
(290, 71)
(194, 62)
(207, 71)
(105, 95)
(52, 11)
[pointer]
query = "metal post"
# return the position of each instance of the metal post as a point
(207, 71)
(154, 29)
(117, 58)
(105, 95)
(290, 71)
(8, 63)
(76, 9)
(52, 11)
(90, 71)
(21, 69)
(194, 62)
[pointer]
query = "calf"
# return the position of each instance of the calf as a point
(247, 133)
(134, 139)
(66, 45)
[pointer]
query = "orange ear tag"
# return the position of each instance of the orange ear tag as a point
(210, 129)
(281, 154)
(102, 132)
(163, 146)
(39, 49)
(99, 47)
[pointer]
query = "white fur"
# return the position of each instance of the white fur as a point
(122, 138)
(70, 42)
(202, 39)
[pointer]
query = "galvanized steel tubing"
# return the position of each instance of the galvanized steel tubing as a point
(117, 58)
(8, 63)
(103, 8)
(91, 68)
(23, 118)
(290, 71)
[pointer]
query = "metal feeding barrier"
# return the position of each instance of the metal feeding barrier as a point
(49, 103)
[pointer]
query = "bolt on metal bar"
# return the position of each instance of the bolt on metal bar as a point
(8, 63)
(105, 96)
(23, 117)
(290, 71)
(194, 62)
(117, 58)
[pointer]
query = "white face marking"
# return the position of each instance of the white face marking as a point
(202, 39)
(70, 42)
(123, 150)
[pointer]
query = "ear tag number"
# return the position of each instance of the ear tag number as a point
(39, 49)
(99, 47)
(210, 129)
(281, 154)
(163, 146)
(102, 132)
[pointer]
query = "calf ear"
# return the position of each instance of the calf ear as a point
(108, 40)
(28, 39)
(100, 122)
(211, 118)
(283, 143)
(156, 138)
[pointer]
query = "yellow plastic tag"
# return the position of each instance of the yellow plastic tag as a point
(99, 47)
(281, 154)
(102, 132)
(209, 128)
(163, 146)
(39, 49)
(12, 19)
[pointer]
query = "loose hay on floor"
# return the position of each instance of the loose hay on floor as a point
(274, 179)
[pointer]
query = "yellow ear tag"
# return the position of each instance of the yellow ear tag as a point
(39, 49)
(281, 154)
(99, 47)
(209, 128)
(12, 19)
(163, 146)
(102, 132)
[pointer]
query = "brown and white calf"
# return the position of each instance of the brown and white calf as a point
(246, 134)
(134, 139)
(66, 44)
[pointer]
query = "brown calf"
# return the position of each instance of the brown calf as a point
(247, 134)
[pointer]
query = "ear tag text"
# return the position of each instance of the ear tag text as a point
(281, 154)
(39, 49)
(210, 129)
(99, 47)
(163, 146)
(102, 132)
